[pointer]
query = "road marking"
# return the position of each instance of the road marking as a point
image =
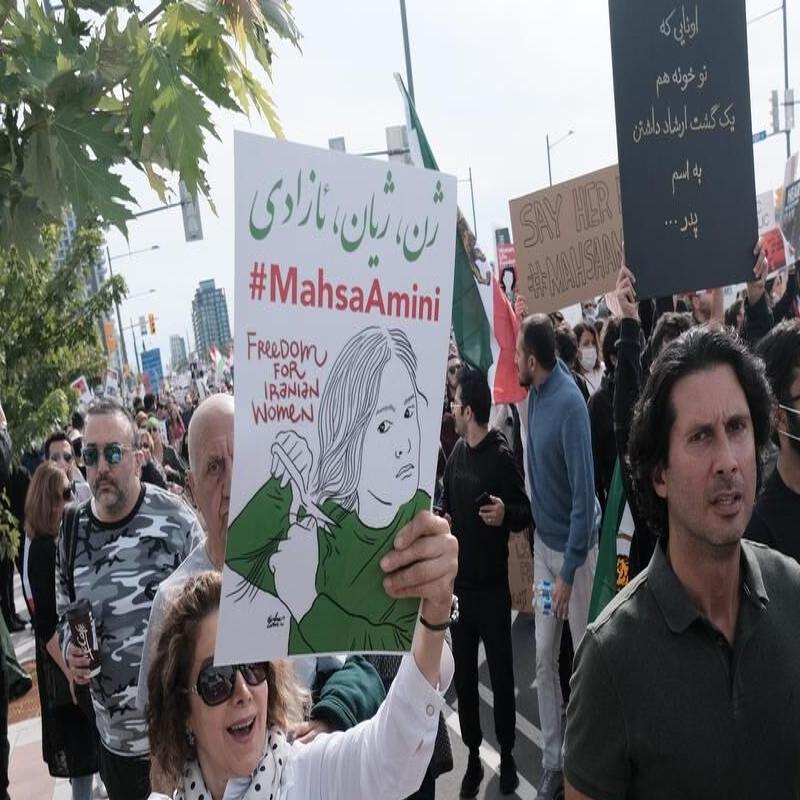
(491, 758)
(524, 726)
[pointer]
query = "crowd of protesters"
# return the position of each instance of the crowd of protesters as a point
(696, 408)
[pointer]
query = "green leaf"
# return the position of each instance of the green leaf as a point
(86, 147)
(42, 170)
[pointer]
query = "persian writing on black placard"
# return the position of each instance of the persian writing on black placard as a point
(681, 90)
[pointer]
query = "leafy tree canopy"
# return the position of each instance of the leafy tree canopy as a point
(101, 83)
(51, 333)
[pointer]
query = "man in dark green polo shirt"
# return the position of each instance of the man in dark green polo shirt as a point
(688, 684)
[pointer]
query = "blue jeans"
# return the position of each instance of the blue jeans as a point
(82, 787)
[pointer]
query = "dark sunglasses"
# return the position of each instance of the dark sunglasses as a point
(215, 684)
(67, 494)
(58, 456)
(111, 452)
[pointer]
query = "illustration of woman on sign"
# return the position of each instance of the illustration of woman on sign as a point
(328, 525)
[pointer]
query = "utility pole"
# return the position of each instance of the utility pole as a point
(786, 79)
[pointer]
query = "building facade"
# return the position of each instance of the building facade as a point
(177, 350)
(210, 319)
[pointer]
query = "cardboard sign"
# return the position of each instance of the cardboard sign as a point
(520, 572)
(343, 291)
(568, 240)
(684, 138)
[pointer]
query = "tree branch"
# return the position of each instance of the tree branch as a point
(155, 12)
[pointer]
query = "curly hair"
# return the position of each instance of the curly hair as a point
(168, 680)
(698, 350)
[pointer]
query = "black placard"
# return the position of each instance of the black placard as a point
(682, 96)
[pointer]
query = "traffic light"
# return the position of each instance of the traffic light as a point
(776, 114)
(151, 323)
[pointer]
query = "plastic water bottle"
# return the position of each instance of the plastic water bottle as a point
(544, 597)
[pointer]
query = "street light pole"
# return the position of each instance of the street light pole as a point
(549, 171)
(550, 147)
(135, 348)
(119, 315)
(786, 79)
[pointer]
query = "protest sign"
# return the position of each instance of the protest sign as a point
(152, 368)
(769, 231)
(684, 139)
(112, 383)
(790, 221)
(568, 240)
(343, 293)
(520, 571)
(81, 387)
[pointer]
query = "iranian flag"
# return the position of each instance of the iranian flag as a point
(484, 323)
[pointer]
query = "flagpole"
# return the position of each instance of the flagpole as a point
(409, 76)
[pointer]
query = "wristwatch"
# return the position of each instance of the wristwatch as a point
(443, 626)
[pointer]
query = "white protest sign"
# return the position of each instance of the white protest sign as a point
(112, 383)
(343, 294)
(81, 388)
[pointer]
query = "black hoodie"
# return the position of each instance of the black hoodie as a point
(483, 550)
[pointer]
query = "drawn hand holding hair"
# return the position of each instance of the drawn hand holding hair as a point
(332, 513)
(295, 562)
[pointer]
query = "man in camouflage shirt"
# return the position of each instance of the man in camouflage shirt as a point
(128, 538)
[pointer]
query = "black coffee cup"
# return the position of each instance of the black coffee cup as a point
(84, 635)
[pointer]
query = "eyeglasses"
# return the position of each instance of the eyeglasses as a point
(111, 452)
(455, 404)
(215, 685)
(67, 494)
(56, 457)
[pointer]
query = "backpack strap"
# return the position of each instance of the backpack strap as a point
(72, 517)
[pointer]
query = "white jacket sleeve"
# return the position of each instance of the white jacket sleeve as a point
(385, 756)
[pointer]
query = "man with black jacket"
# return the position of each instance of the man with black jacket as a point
(484, 497)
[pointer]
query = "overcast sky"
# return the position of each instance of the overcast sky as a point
(491, 80)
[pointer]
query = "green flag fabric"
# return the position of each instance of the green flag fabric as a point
(471, 327)
(605, 576)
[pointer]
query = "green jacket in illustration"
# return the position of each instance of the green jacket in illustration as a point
(352, 611)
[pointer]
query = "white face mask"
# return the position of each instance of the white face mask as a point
(588, 358)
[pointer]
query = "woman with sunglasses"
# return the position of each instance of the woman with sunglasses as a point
(221, 731)
(68, 737)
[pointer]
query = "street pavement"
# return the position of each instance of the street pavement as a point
(528, 748)
(31, 781)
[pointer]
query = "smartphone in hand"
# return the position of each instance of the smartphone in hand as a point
(483, 499)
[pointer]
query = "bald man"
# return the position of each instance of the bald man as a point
(209, 484)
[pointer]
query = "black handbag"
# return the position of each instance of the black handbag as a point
(56, 688)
